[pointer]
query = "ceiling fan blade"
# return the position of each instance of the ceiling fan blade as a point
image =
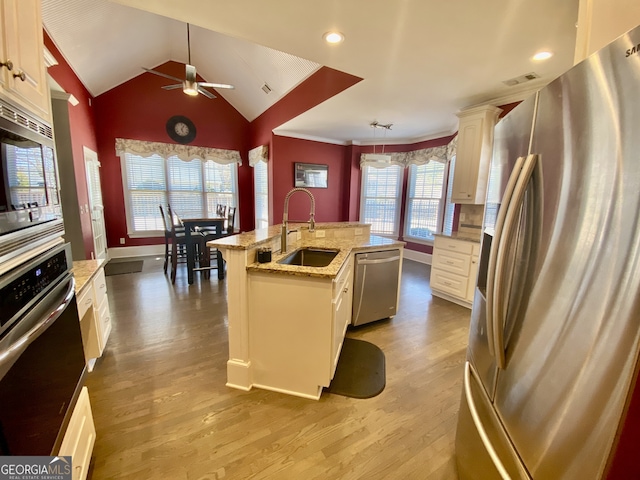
(206, 93)
(191, 73)
(155, 72)
(172, 87)
(216, 85)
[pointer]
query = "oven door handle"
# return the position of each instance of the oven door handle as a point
(20, 345)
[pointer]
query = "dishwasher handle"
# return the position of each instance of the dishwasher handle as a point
(377, 261)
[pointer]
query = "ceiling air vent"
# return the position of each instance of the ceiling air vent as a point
(527, 77)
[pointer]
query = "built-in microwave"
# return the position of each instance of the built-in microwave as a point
(30, 210)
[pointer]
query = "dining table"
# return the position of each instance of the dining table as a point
(193, 226)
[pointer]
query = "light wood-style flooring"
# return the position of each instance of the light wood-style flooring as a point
(162, 410)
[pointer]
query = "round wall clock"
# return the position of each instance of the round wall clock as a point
(181, 129)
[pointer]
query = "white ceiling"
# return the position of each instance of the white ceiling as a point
(421, 60)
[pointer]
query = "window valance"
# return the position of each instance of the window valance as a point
(441, 154)
(183, 152)
(258, 154)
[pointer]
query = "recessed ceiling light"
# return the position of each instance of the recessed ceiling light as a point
(542, 56)
(333, 37)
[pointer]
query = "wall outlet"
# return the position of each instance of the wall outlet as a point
(320, 233)
(358, 231)
(122, 241)
(463, 217)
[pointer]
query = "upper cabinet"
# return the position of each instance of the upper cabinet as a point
(475, 145)
(23, 75)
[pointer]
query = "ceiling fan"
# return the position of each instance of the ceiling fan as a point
(190, 85)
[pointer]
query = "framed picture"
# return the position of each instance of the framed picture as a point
(311, 175)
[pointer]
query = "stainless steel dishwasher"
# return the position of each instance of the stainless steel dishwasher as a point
(375, 286)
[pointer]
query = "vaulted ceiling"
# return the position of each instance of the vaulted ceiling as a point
(421, 60)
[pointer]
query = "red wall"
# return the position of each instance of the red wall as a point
(322, 85)
(83, 131)
(139, 109)
(329, 201)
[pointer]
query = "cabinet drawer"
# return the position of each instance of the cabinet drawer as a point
(84, 301)
(453, 245)
(449, 283)
(100, 286)
(451, 262)
(80, 437)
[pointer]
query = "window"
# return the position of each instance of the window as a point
(426, 198)
(261, 188)
(193, 189)
(380, 202)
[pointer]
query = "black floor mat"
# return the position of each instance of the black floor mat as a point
(360, 372)
(118, 268)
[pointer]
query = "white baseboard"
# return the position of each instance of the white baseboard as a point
(139, 251)
(416, 256)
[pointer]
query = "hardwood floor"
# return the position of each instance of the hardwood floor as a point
(162, 410)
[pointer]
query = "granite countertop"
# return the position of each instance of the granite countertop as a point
(247, 240)
(345, 245)
(84, 271)
(459, 236)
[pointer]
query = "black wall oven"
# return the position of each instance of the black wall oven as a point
(30, 210)
(42, 364)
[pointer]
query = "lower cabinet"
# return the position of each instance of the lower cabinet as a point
(80, 437)
(296, 326)
(342, 300)
(95, 317)
(454, 268)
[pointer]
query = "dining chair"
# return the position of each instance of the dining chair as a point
(174, 234)
(221, 210)
(227, 230)
(230, 223)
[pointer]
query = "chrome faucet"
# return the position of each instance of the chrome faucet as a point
(285, 216)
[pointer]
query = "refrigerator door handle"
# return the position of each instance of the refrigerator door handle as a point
(494, 252)
(468, 371)
(510, 225)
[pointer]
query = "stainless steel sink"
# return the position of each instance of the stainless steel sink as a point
(310, 257)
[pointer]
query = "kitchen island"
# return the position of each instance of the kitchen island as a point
(287, 322)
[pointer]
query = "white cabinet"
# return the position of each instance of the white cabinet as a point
(454, 268)
(80, 437)
(103, 317)
(95, 317)
(23, 75)
(473, 154)
(342, 299)
(296, 329)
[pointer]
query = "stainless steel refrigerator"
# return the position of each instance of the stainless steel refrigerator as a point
(554, 340)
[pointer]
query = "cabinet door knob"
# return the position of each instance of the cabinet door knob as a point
(21, 75)
(8, 64)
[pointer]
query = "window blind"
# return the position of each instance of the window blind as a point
(381, 198)
(261, 189)
(425, 200)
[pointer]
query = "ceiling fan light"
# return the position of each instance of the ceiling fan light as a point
(190, 88)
